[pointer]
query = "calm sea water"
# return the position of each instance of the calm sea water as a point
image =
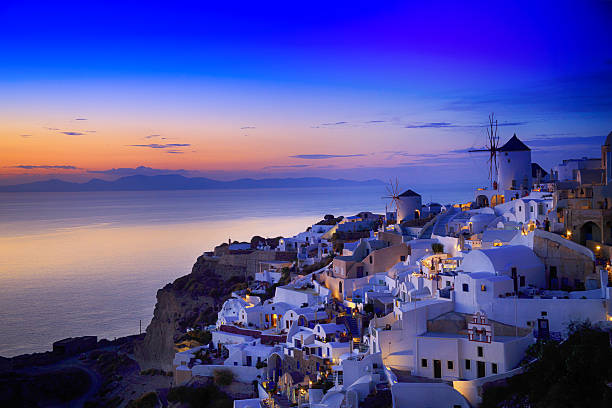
(76, 264)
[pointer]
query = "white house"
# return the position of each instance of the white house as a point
(230, 312)
(516, 261)
(452, 355)
(249, 354)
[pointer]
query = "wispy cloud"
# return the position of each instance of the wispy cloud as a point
(73, 133)
(288, 166)
(324, 156)
(554, 134)
(435, 125)
(376, 121)
(50, 128)
(580, 93)
(25, 136)
(174, 152)
(438, 125)
(44, 166)
(334, 123)
(152, 136)
(80, 119)
(566, 141)
(161, 146)
(247, 127)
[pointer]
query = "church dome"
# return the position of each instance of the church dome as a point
(609, 140)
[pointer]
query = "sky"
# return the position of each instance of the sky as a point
(355, 90)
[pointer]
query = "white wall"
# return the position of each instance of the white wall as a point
(426, 395)
(518, 168)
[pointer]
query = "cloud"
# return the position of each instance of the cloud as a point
(44, 166)
(580, 93)
(334, 123)
(152, 136)
(324, 156)
(25, 136)
(140, 170)
(554, 134)
(91, 131)
(174, 152)
(50, 128)
(161, 146)
(438, 125)
(376, 121)
(73, 133)
(80, 119)
(288, 166)
(434, 125)
(566, 141)
(248, 127)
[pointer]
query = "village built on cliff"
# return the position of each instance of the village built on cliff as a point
(427, 304)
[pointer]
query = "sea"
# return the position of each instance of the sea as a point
(90, 263)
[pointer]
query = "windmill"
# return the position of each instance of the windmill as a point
(492, 147)
(393, 191)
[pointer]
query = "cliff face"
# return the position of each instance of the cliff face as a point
(190, 300)
(194, 300)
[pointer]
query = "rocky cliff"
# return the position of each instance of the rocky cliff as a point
(190, 301)
(194, 300)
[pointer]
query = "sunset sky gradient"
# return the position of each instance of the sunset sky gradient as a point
(359, 90)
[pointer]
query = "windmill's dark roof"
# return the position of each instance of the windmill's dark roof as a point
(514, 145)
(409, 193)
(609, 139)
(534, 170)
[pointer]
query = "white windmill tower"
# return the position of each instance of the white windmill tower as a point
(407, 204)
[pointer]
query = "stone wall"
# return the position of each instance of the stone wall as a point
(570, 264)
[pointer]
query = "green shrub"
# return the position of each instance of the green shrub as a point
(201, 336)
(437, 248)
(148, 400)
(223, 377)
(208, 396)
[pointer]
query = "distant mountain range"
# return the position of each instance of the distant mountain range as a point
(178, 182)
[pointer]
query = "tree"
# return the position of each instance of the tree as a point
(223, 377)
(437, 248)
(574, 373)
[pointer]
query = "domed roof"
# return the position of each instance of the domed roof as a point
(609, 139)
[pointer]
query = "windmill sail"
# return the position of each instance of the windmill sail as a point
(393, 195)
(492, 147)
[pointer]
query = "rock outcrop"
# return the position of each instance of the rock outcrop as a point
(194, 300)
(190, 301)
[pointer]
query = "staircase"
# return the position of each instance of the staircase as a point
(440, 225)
(351, 323)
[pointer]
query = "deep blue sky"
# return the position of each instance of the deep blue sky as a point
(357, 89)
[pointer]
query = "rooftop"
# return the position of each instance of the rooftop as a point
(496, 339)
(514, 145)
(409, 193)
